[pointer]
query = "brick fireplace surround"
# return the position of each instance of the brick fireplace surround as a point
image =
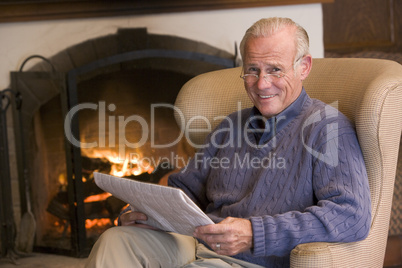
(36, 96)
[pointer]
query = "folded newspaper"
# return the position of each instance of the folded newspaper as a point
(167, 208)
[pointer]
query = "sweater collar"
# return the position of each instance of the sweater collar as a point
(265, 129)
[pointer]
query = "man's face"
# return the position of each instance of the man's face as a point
(274, 54)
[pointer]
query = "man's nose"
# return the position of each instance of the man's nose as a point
(264, 81)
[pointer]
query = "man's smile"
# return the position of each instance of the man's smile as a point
(266, 96)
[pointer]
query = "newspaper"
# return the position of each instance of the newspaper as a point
(167, 208)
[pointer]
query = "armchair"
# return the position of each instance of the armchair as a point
(369, 93)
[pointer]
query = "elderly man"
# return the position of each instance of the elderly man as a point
(318, 191)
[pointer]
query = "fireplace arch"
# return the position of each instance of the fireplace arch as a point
(51, 88)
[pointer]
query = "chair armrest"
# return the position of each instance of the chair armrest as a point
(317, 254)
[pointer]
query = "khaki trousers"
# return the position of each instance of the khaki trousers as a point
(129, 246)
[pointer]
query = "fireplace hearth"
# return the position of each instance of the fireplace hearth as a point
(86, 109)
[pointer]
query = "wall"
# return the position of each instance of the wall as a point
(217, 28)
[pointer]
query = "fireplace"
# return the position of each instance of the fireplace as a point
(103, 105)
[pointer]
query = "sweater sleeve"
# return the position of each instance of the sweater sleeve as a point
(342, 212)
(192, 179)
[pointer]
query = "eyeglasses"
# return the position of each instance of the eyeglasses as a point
(253, 78)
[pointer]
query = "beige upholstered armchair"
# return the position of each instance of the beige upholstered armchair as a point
(369, 92)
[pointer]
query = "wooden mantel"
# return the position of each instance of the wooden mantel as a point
(21, 10)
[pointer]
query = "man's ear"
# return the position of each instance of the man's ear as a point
(305, 66)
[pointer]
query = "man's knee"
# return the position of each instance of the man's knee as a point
(142, 247)
(111, 233)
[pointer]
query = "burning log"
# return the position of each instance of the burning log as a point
(97, 203)
(90, 187)
(108, 208)
(89, 165)
(114, 206)
(58, 209)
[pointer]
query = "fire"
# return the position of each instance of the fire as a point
(98, 197)
(131, 165)
(128, 167)
(96, 222)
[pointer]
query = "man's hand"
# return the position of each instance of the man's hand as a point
(130, 218)
(229, 237)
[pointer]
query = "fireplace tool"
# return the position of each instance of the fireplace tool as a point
(7, 231)
(28, 224)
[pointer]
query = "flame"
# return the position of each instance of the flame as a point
(96, 222)
(122, 167)
(98, 197)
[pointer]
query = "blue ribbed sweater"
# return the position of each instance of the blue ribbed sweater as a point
(307, 184)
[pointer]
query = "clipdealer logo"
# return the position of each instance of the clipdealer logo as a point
(330, 156)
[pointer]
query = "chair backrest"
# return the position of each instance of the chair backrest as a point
(367, 91)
